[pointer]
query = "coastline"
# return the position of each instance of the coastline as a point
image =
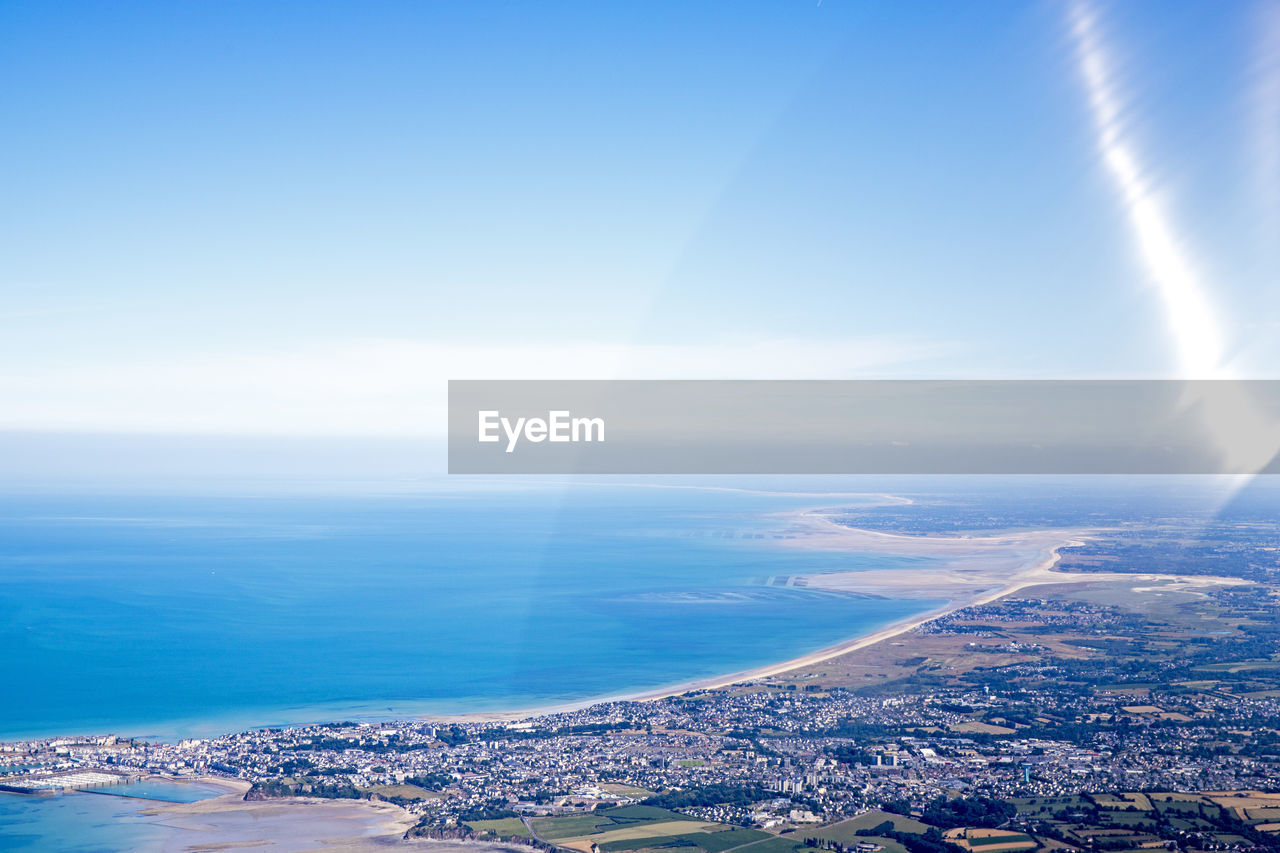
(975, 570)
(229, 821)
(970, 570)
(964, 571)
(978, 570)
(826, 533)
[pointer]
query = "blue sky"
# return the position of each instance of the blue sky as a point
(302, 218)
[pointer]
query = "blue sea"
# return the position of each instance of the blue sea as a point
(77, 823)
(102, 820)
(171, 616)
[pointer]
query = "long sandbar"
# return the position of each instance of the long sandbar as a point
(971, 571)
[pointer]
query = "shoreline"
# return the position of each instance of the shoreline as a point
(902, 626)
(973, 570)
(977, 570)
(966, 585)
(229, 821)
(819, 533)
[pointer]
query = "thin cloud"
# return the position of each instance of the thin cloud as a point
(1266, 108)
(393, 387)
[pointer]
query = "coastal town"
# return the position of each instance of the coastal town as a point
(1088, 716)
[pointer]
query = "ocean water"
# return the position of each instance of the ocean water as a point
(168, 616)
(77, 823)
(111, 820)
(159, 790)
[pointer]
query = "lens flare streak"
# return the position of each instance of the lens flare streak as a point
(1193, 326)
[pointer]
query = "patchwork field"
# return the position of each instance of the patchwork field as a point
(1136, 819)
(989, 840)
(635, 828)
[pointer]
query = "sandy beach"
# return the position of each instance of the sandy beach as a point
(966, 570)
(971, 570)
(296, 825)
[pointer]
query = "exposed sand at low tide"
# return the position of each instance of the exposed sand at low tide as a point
(300, 825)
(974, 570)
(971, 570)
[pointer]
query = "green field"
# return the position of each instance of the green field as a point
(710, 842)
(998, 840)
(1046, 807)
(774, 844)
(1127, 819)
(603, 820)
(509, 827)
(624, 829)
(846, 831)
(570, 826)
(409, 792)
